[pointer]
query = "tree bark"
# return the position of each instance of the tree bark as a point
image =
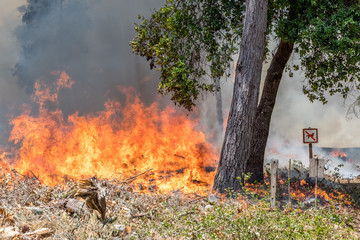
(219, 111)
(264, 111)
(237, 141)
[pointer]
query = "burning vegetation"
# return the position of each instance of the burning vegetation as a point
(338, 154)
(113, 209)
(118, 141)
(134, 171)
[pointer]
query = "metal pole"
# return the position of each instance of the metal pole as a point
(316, 180)
(310, 150)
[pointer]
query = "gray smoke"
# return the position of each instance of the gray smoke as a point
(88, 39)
(10, 95)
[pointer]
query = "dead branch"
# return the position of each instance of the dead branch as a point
(17, 173)
(133, 177)
(179, 156)
(35, 176)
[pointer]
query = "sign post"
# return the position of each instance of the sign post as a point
(310, 136)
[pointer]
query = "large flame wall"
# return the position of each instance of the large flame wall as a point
(120, 141)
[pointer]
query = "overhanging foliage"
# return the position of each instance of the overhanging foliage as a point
(189, 39)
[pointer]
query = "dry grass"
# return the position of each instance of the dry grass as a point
(27, 205)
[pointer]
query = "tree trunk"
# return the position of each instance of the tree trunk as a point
(237, 141)
(219, 111)
(264, 111)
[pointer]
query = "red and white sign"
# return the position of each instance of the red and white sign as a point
(310, 135)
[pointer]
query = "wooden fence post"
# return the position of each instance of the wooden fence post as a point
(289, 181)
(274, 169)
(316, 171)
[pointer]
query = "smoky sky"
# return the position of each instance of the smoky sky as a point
(89, 39)
(11, 96)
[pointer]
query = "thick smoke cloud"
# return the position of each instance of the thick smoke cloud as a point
(10, 95)
(90, 41)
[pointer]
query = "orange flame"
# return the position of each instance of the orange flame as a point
(303, 191)
(299, 191)
(43, 92)
(4, 165)
(123, 140)
(338, 154)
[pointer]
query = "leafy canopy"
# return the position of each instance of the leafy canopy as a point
(190, 39)
(187, 39)
(329, 48)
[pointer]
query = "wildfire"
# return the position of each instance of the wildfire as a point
(302, 182)
(300, 191)
(118, 142)
(4, 165)
(338, 154)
